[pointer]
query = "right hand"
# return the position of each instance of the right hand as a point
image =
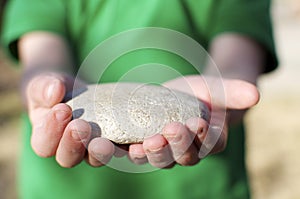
(54, 133)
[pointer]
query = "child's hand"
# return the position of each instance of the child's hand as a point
(53, 132)
(179, 143)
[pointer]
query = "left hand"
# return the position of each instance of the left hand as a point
(180, 143)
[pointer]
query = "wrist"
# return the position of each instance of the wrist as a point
(236, 57)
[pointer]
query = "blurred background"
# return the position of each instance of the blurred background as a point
(272, 126)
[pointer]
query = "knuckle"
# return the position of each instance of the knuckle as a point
(40, 152)
(38, 149)
(65, 164)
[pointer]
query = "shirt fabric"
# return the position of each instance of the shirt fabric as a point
(85, 24)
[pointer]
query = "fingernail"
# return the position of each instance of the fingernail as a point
(200, 132)
(193, 124)
(174, 139)
(51, 88)
(194, 128)
(62, 115)
(79, 135)
(154, 150)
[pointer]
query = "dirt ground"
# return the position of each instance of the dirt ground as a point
(9, 128)
(272, 126)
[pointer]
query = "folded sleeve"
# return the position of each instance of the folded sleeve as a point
(248, 17)
(21, 17)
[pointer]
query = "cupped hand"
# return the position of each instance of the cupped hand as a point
(186, 144)
(54, 133)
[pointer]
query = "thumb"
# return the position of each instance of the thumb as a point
(45, 91)
(224, 93)
(240, 94)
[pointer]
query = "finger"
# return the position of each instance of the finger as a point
(209, 140)
(45, 91)
(221, 135)
(158, 151)
(181, 143)
(137, 154)
(72, 146)
(216, 139)
(240, 94)
(198, 127)
(193, 85)
(218, 92)
(100, 151)
(47, 132)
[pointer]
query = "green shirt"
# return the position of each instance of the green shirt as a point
(87, 23)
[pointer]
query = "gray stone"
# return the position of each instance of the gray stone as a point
(129, 112)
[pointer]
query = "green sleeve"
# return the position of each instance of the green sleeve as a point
(31, 15)
(248, 17)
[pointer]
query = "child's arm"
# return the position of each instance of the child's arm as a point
(45, 55)
(47, 63)
(237, 57)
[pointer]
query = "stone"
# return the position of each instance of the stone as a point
(129, 112)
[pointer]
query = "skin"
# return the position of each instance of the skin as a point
(47, 65)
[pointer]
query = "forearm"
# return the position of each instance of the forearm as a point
(42, 52)
(237, 57)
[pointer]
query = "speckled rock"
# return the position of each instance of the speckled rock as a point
(129, 112)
